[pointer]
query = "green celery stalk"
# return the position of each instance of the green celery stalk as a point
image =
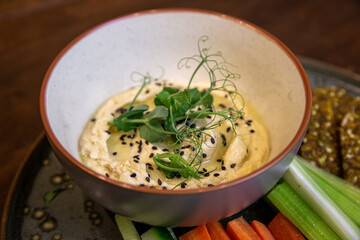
(300, 213)
(339, 184)
(308, 189)
(349, 206)
(126, 228)
(158, 233)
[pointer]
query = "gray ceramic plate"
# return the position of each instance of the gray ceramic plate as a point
(71, 215)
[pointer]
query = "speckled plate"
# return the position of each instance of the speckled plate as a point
(71, 215)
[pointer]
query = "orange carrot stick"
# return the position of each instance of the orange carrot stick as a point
(283, 229)
(262, 230)
(239, 229)
(217, 231)
(198, 233)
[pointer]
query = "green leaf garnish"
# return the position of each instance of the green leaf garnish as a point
(122, 123)
(176, 164)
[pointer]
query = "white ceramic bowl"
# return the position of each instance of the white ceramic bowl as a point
(98, 64)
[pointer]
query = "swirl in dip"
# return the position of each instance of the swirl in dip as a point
(126, 157)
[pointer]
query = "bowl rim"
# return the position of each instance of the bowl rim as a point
(298, 136)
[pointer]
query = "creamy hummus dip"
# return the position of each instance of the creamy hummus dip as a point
(126, 157)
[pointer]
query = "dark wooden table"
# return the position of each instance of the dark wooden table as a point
(32, 32)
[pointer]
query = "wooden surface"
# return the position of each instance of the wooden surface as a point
(32, 32)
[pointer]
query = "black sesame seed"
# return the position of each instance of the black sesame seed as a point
(135, 160)
(222, 162)
(93, 119)
(147, 91)
(218, 160)
(148, 164)
(142, 185)
(114, 153)
(216, 174)
(106, 174)
(165, 150)
(154, 147)
(181, 153)
(164, 187)
(222, 105)
(147, 142)
(120, 110)
(133, 175)
(228, 129)
(181, 121)
(158, 84)
(200, 172)
(140, 146)
(193, 148)
(206, 174)
(108, 132)
(252, 130)
(187, 146)
(136, 156)
(210, 185)
(193, 125)
(123, 143)
(112, 114)
(204, 155)
(204, 169)
(233, 165)
(248, 122)
(131, 144)
(122, 137)
(159, 182)
(151, 168)
(241, 117)
(183, 185)
(208, 116)
(236, 124)
(147, 179)
(131, 136)
(212, 140)
(151, 155)
(224, 139)
(223, 168)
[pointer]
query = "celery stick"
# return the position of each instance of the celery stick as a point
(297, 177)
(349, 206)
(299, 213)
(157, 233)
(127, 228)
(341, 185)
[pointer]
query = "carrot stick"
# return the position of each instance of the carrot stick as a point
(262, 230)
(283, 229)
(217, 231)
(198, 233)
(239, 229)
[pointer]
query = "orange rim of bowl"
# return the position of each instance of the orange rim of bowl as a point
(298, 136)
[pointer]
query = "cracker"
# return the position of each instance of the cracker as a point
(350, 147)
(321, 142)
